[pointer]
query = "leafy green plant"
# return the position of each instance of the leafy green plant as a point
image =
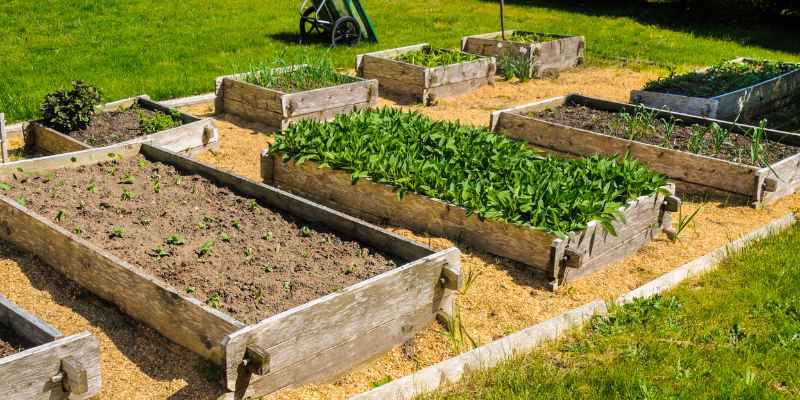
(697, 140)
(515, 65)
(248, 252)
(305, 231)
(21, 200)
(719, 136)
(267, 236)
(78, 230)
(205, 249)
(158, 121)
(70, 109)
(127, 195)
(528, 37)
(158, 253)
(92, 188)
(4, 186)
(127, 179)
(432, 57)
(236, 224)
(311, 73)
(176, 240)
(489, 175)
(215, 300)
(226, 237)
(117, 232)
(60, 216)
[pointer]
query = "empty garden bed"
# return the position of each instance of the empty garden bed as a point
(754, 162)
(740, 89)
(199, 250)
(279, 96)
(540, 55)
(424, 73)
(465, 183)
(38, 362)
(136, 119)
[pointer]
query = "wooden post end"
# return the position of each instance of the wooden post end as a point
(75, 380)
(256, 360)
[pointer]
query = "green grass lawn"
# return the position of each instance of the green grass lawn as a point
(175, 48)
(734, 334)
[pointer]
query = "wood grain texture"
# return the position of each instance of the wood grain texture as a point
(29, 374)
(338, 332)
(547, 58)
(68, 160)
(25, 324)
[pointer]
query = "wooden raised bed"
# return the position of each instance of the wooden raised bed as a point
(54, 367)
(745, 103)
(312, 342)
(562, 259)
(194, 135)
(690, 171)
(547, 58)
(408, 81)
(279, 109)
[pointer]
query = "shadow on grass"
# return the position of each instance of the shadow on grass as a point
(294, 38)
(776, 33)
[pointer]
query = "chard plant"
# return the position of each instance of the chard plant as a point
(515, 65)
(491, 176)
(158, 122)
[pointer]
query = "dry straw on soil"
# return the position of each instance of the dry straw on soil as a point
(140, 364)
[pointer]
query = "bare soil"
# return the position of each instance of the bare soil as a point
(112, 127)
(736, 148)
(202, 239)
(10, 343)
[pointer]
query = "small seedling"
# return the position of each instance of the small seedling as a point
(157, 187)
(175, 240)
(287, 285)
(683, 222)
(253, 206)
(756, 145)
(22, 201)
(179, 180)
(127, 195)
(669, 130)
(267, 236)
(248, 252)
(719, 136)
(92, 188)
(349, 269)
(60, 216)
(127, 179)
(78, 231)
(205, 249)
(267, 268)
(117, 232)
(215, 300)
(142, 164)
(226, 237)
(697, 140)
(158, 253)
(237, 224)
(305, 231)
(5, 186)
(190, 289)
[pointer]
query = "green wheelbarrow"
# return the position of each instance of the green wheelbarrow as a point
(344, 21)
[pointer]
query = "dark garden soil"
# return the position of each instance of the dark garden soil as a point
(736, 148)
(112, 127)
(10, 343)
(204, 240)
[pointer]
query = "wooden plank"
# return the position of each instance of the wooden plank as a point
(379, 203)
(684, 166)
(554, 56)
(29, 374)
(26, 325)
(256, 97)
(787, 175)
(68, 160)
(676, 103)
(3, 139)
(431, 95)
(300, 207)
(48, 140)
(328, 114)
(758, 99)
(312, 101)
(402, 73)
(482, 68)
(245, 111)
(182, 319)
(299, 339)
(389, 53)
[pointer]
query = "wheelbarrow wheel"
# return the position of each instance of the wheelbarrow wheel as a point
(310, 25)
(345, 31)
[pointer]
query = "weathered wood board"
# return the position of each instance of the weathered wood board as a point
(279, 109)
(406, 81)
(194, 135)
(55, 368)
(427, 284)
(690, 171)
(563, 259)
(547, 59)
(742, 104)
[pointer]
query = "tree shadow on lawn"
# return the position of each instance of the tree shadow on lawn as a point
(776, 33)
(153, 354)
(294, 38)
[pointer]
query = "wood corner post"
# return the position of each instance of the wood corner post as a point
(75, 379)
(256, 360)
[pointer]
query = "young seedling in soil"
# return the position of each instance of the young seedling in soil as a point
(190, 289)
(158, 253)
(117, 232)
(127, 179)
(142, 164)
(432, 57)
(215, 301)
(305, 231)
(248, 252)
(236, 224)
(92, 188)
(253, 206)
(22, 201)
(267, 268)
(205, 249)
(127, 195)
(226, 237)
(4, 186)
(175, 240)
(267, 236)
(78, 231)
(60, 216)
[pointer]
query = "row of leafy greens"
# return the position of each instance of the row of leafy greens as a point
(487, 174)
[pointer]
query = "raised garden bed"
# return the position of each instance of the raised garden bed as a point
(468, 184)
(318, 292)
(122, 122)
(38, 362)
(423, 73)
(545, 54)
(279, 104)
(740, 89)
(700, 153)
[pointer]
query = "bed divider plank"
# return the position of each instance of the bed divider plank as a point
(193, 135)
(425, 84)
(290, 348)
(748, 103)
(55, 368)
(688, 170)
(563, 259)
(547, 58)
